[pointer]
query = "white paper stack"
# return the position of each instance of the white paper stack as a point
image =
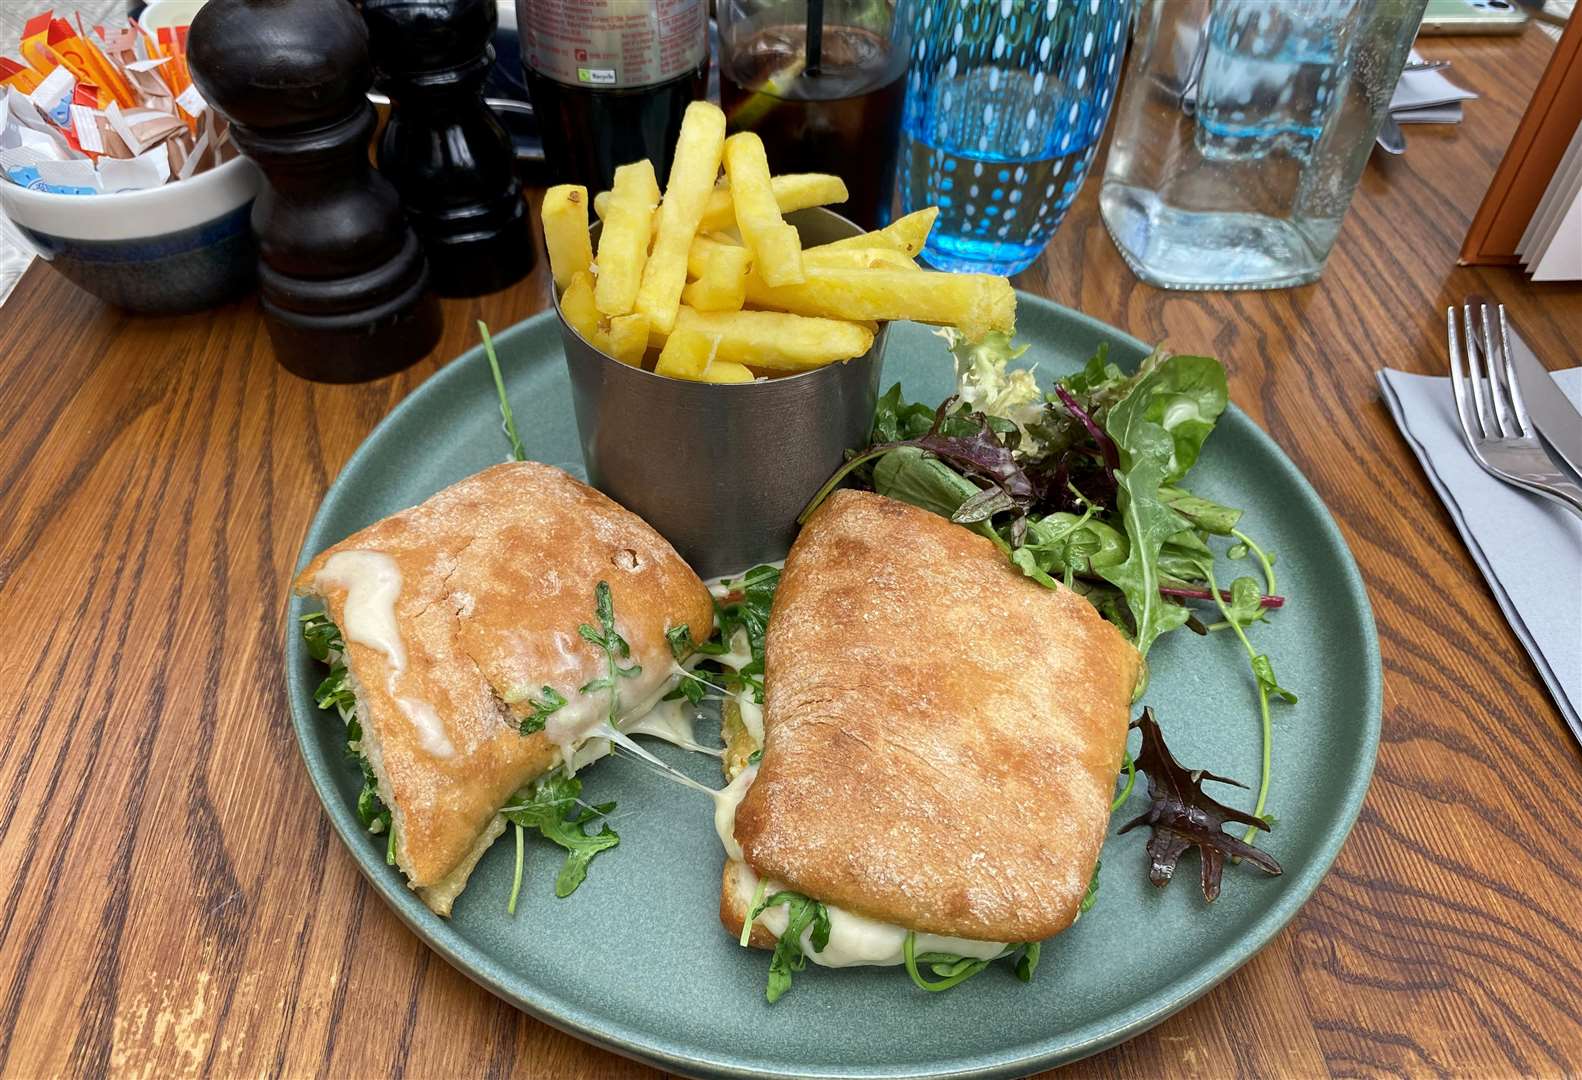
(1551, 246)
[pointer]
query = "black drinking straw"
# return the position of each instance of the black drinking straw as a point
(815, 36)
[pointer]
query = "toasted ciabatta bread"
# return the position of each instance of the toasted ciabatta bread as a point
(496, 574)
(942, 734)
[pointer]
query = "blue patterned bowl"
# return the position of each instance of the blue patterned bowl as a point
(181, 247)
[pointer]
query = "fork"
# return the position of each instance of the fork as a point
(1493, 416)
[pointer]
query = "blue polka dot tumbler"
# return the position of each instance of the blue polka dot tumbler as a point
(1005, 104)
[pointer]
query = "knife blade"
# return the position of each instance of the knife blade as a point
(1551, 411)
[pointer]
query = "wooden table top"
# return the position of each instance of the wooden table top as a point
(175, 902)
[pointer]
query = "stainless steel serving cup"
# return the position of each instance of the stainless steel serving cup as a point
(721, 470)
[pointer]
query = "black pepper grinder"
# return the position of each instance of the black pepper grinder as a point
(443, 148)
(343, 279)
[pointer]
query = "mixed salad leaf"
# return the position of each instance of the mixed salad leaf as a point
(1182, 815)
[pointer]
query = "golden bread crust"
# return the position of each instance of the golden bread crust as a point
(497, 572)
(942, 734)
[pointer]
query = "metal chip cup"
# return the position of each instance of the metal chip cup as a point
(722, 469)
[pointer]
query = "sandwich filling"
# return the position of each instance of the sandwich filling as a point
(854, 940)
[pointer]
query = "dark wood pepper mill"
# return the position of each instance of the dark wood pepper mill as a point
(343, 279)
(443, 148)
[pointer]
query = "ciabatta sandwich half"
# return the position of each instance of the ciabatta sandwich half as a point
(459, 620)
(941, 741)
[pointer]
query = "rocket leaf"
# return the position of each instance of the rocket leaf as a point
(745, 607)
(553, 806)
(788, 959)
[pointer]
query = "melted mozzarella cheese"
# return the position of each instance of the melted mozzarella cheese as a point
(372, 581)
(571, 725)
(725, 804)
(670, 721)
(430, 728)
(741, 653)
(652, 715)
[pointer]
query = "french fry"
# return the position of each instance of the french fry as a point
(776, 248)
(601, 201)
(691, 355)
(775, 340)
(852, 258)
(687, 191)
(626, 339)
(565, 217)
(648, 180)
(702, 248)
(874, 258)
(686, 355)
(793, 191)
(576, 305)
(903, 234)
(727, 371)
(975, 303)
(721, 272)
(623, 243)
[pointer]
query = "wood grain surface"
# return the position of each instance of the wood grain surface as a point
(174, 902)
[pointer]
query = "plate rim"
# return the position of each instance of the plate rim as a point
(483, 970)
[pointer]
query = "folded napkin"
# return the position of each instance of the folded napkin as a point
(1433, 114)
(1427, 97)
(1529, 549)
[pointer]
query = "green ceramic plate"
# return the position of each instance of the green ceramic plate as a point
(636, 960)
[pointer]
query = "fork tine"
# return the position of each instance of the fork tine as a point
(1475, 374)
(1517, 404)
(1458, 380)
(1494, 355)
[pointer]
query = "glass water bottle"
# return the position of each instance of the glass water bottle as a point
(1241, 132)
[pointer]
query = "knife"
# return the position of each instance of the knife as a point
(1551, 411)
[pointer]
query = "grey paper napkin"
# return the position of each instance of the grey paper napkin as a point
(1529, 549)
(1425, 89)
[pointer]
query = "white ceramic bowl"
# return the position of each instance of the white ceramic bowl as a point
(182, 246)
(171, 13)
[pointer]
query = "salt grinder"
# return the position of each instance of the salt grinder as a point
(443, 148)
(343, 280)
